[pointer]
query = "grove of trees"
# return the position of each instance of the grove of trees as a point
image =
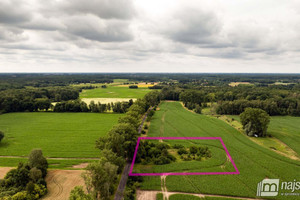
(26, 182)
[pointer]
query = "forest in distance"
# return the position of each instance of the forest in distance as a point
(277, 94)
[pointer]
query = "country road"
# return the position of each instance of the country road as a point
(121, 187)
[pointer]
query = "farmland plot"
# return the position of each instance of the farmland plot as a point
(66, 135)
(253, 161)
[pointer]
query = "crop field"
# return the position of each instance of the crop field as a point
(233, 84)
(114, 92)
(286, 129)
(285, 132)
(254, 161)
(63, 135)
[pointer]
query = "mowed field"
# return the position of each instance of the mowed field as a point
(61, 135)
(254, 161)
(114, 92)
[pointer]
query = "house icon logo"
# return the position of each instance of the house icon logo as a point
(268, 188)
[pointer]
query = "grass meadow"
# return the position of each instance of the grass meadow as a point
(254, 161)
(66, 135)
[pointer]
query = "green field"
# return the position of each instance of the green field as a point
(114, 92)
(284, 131)
(254, 162)
(53, 164)
(66, 135)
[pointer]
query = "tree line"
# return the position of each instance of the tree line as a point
(233, 100)
(282, 106)
(117, 147)
(34, 99)
(80, 106)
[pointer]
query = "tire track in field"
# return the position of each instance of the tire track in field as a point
(162, 127)
(60, 187)
(164, 187)
(61, 182)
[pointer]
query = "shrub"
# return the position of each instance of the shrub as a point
(78, 194)
(178, 146)
(133, 86)
(1, 135)
(198, 109)
(182, 151)
(161, 160)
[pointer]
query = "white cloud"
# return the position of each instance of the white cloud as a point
(150, 36)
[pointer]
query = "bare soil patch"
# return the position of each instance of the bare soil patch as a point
(80, 166)
(146, 195)
(233, 84)
(61, 182)
(3, 171)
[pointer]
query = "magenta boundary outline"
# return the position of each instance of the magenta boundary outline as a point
(181, 173)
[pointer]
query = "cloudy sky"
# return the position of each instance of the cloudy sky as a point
(150, 36)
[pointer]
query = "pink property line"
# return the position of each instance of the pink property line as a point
(181, 173)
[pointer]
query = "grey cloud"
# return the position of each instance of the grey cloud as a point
(14, 11)
(106, 9)
(93, 28)
(39, 22)
(194, 26)
(252, 37)
(10, 34)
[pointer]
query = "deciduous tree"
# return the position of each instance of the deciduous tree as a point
(255, 122)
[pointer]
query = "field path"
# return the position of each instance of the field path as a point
(146, 195)
(151, 195)
(61, 182)
(164, 188)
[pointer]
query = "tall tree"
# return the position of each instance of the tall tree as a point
(36, 159)
(100, 178)
(255, 122)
